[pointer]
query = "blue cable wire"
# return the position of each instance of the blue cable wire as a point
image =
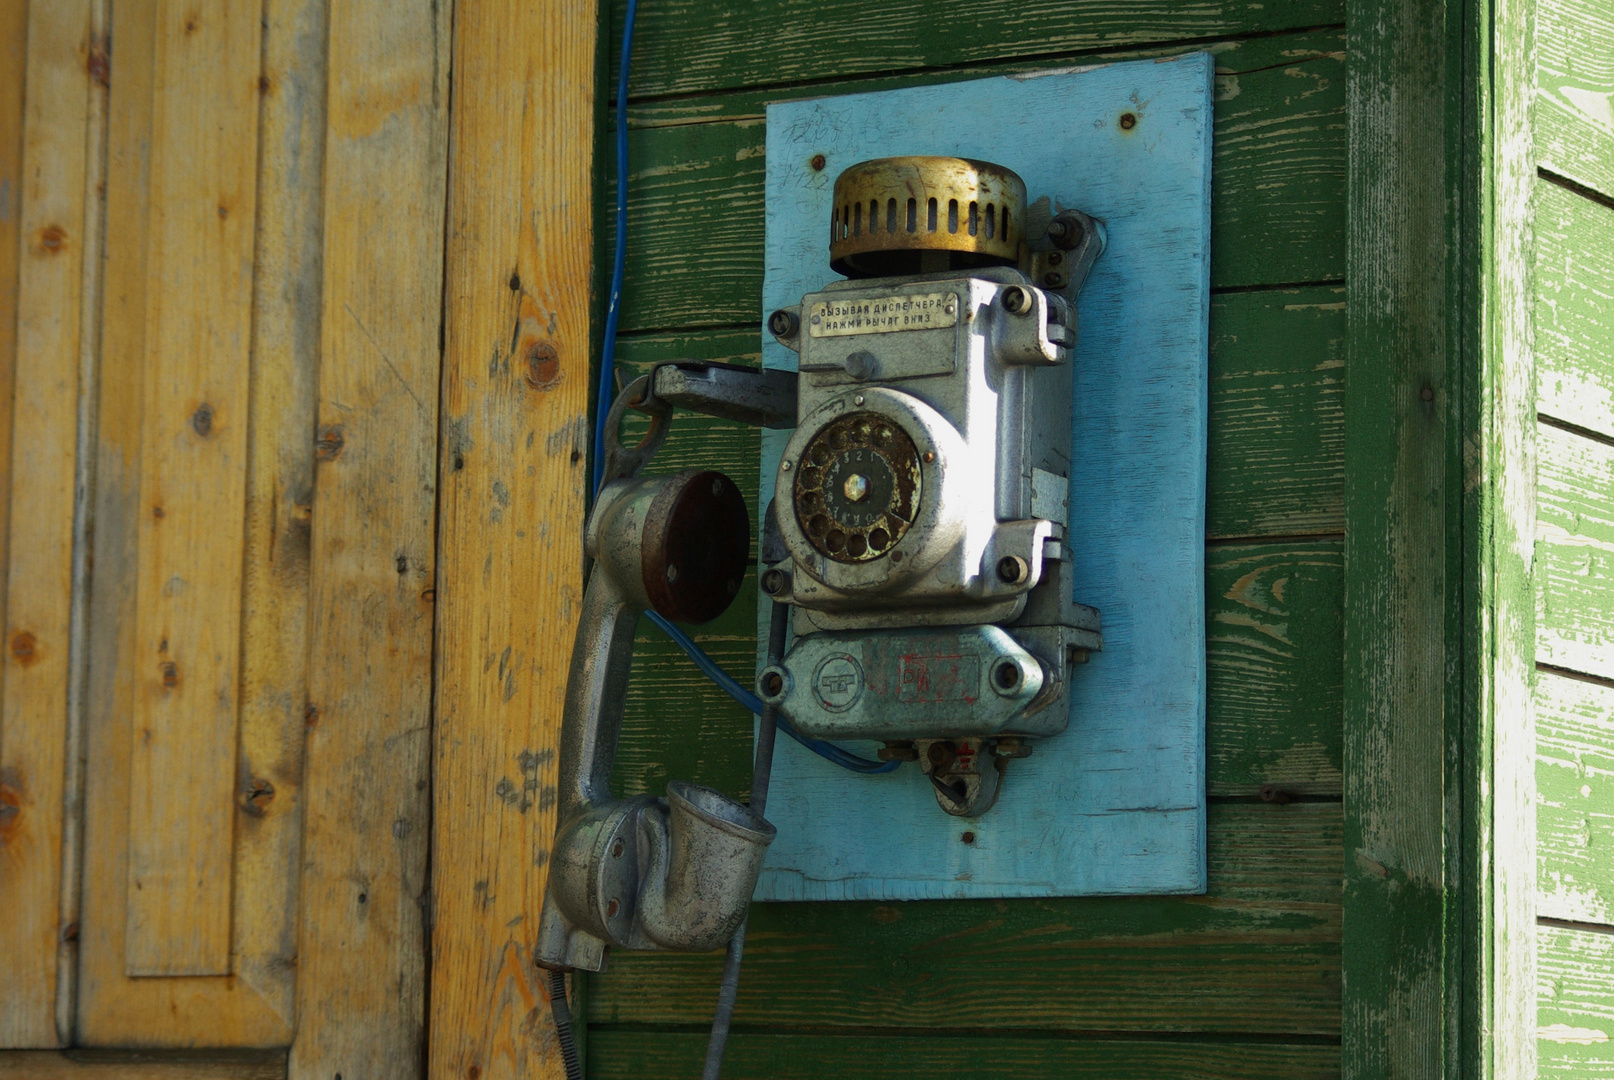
(727, 683)
(619, 259)
(706, 664)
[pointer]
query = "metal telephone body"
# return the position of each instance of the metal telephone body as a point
(923, 496)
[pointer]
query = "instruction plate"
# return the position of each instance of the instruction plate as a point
(1116, 804)
(910, 311)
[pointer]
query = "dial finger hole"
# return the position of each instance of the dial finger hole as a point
(857, 546)
(835, 541)
(879, 539)
(819, 525)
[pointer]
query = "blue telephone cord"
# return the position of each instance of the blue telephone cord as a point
(827, 750)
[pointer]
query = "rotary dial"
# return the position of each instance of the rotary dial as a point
(857, 490)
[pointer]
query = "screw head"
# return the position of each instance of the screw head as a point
(775, 581)
(1012, 569)
(784, 323)
(856, 487)
(1017, 301)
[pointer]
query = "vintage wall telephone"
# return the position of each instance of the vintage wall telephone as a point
(916, 536)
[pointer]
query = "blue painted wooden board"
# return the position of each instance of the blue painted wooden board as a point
(1116, 804)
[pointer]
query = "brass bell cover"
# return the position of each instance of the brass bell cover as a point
(919, 214)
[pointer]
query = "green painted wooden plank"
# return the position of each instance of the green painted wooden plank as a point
(1575, 799)
(695, 200)
(1275, 465)
(1276, 459)
(697, 46)
(633, 1054)
(1575, 100)
(1574, 310)
(1575, 1002)
(1575, 553)
(1400, 517)
(1259, 953)
(1272, 701)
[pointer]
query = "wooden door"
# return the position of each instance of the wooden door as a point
(238, 616)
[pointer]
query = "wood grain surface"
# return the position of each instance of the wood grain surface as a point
(1574, 308)
(1258, 953)
(1574, 118)
(514, 462)
(361, 971)
(51, 216)
(203, 191)
(1399, 402)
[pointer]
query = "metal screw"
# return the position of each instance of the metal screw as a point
(1012, 569)
(856, 487)
(784, 466)
(672, 573)
(1055, 258)
(1054, 279)
(1065, 231)
(784, 323)
(1006, 675)
(1128, 121)
(775, 581)
(772, 684)
(1016, 300)
(858, 400)
(929, 457)
(617, 848)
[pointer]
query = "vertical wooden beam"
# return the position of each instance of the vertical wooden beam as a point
(1402, 402)
(362, 947)
(514, 469)
(78, 658)
(43, 433)
(1499, 528)
(192, 487)
(279, 501)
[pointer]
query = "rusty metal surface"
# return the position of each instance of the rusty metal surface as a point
(839, 523)
(889, 210)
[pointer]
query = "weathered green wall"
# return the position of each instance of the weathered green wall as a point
(1243, 982)
(1574, 328)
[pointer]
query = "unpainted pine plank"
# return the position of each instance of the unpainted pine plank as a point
(1399, 515)
(51, 217)
(1574, 115)
(630, 1055)
(1575, 1002)
(103, 1065)
(1575, 553)
(279, 502)
(515, 469)
(361, 969)
(193, 465)
(115, 1009)
(1275, 465)
(1575, 799)
(1574, 310)
(695, 198)
(689, 47)
(1258, 953)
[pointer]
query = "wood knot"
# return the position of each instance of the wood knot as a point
(99, 65)
(202, 420)
(256, 797)
(543, 366)
(329, 444)
(170, 675)
(24, 647)
(311, 716)
(10, 812)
